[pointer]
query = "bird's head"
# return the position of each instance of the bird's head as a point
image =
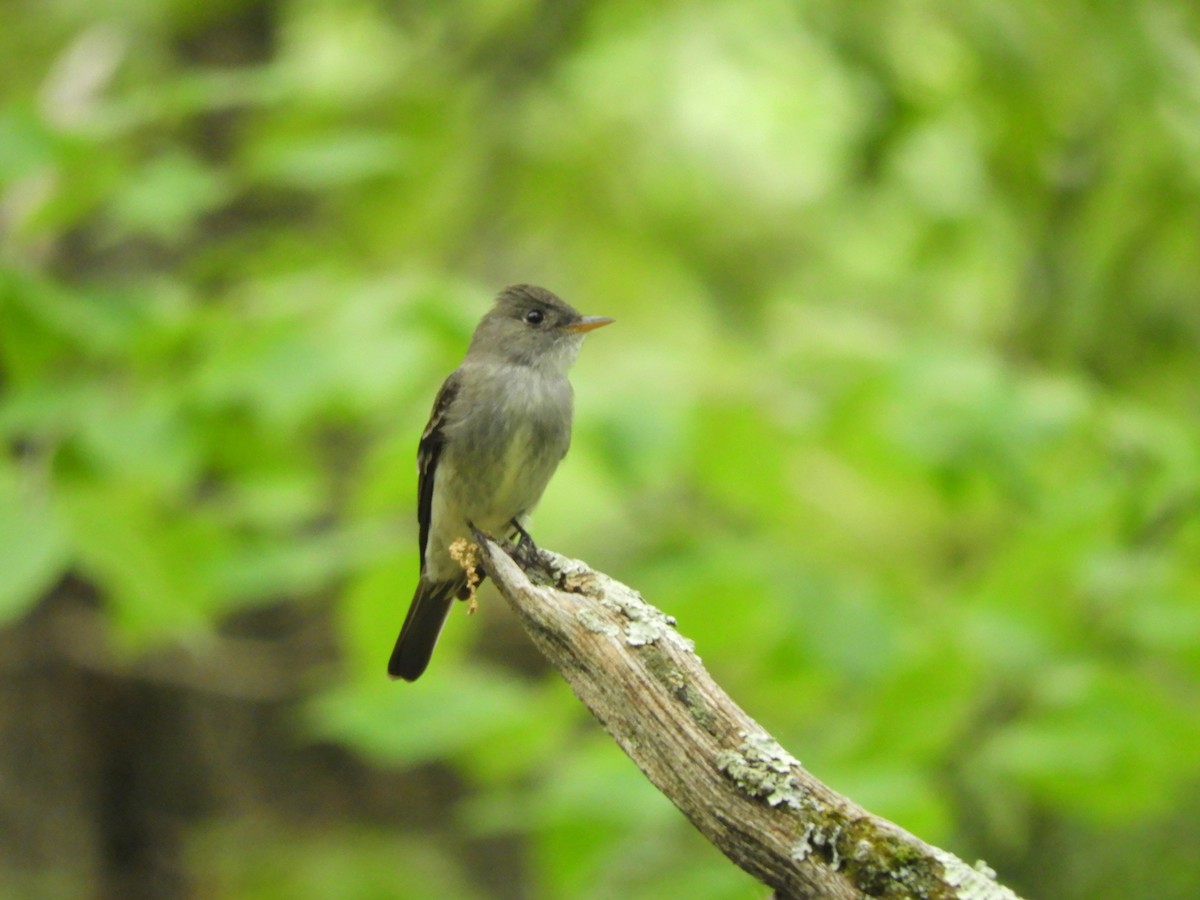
(529, 325)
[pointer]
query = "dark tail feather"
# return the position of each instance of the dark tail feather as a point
(422, 625)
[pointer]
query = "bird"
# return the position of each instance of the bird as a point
(500, 425)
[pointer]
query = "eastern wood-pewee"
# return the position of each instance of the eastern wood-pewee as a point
(499, 426)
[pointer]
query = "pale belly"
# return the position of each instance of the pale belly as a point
(502, 485)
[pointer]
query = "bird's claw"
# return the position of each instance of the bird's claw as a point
(525, 551)
(524, 540)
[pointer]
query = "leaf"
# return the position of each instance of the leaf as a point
(167, 195)
(154, 565)
(33, 548)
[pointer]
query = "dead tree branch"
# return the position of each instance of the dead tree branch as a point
(742, 790)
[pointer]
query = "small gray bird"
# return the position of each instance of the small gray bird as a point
(499, 427)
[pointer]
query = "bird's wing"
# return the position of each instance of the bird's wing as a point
(429, 451)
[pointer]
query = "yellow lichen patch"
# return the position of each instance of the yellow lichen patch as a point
(466, 554)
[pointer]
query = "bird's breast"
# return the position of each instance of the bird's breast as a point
(503, 454)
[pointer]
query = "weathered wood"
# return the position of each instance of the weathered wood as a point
(751, 798)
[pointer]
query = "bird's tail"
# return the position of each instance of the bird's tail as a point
(426, 616)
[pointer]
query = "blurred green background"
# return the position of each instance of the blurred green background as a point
(899, 420)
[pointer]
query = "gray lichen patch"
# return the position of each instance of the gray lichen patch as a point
(762, 769)
(576, 577)
(815, 837)
(646, 624)
(883, 863)
(638, 634)
(595, 623)
(971, 882)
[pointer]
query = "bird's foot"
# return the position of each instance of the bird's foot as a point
(523, 537)
(525, 551)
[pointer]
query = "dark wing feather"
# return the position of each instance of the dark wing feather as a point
(429, 451)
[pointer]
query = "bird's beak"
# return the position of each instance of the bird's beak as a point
(587, 323)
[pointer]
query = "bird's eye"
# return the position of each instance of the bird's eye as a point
(534, 317)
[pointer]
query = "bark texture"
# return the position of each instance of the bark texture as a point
(752, 799)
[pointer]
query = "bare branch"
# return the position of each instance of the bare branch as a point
(747, 795)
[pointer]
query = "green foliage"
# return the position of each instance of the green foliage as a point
(355, 863)
(899, 418)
